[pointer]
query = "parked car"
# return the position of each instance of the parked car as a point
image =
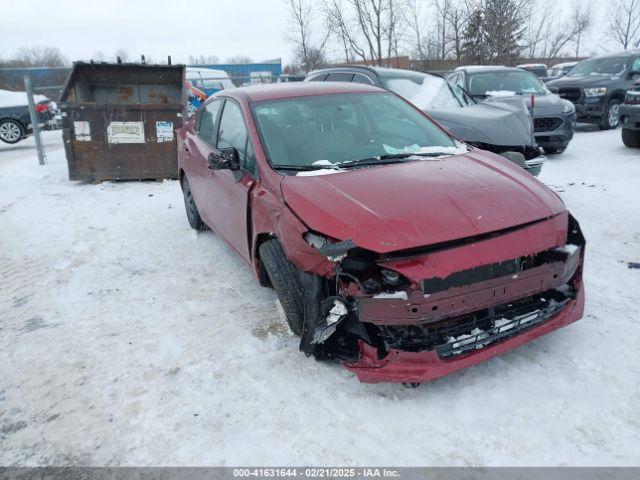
(392, 246)
(290, 78)
(597, 86)
(538, 69)
(559, 70)
(630, 117)
(15, 120)
(499, 128)
(202, 83)
(553, 118)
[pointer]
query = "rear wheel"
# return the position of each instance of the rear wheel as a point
(11, 131)
(190, 206)
(611, 116)
(285, 279)
(631, 138)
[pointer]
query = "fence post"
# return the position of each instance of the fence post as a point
(35, 124)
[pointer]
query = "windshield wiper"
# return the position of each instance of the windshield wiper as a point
(389, 159)
(304, 168)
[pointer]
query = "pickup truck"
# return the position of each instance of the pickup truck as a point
(597, 86)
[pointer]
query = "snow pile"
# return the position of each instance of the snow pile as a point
(400, 294)
(17, 99)
(458, 149)
(338, 311)
(500, 93)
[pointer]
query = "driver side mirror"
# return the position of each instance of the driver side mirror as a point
(224, 159)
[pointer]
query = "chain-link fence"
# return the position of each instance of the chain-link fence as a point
(46, 121)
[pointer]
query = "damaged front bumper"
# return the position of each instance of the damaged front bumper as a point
(444, 317)
(422, 366)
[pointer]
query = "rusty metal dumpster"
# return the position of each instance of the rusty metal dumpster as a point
(120, 120)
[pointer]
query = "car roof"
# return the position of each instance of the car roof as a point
(487, 68)
(204, 71)
(564, 64)
(377, 71)
(531, 65)
(621, 53)
(278, 91)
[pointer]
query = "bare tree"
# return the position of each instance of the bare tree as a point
(582, 20)
(340, 25)
(240, 59)
(624, 22)
(415, 24)
(39, 57)
(122, 54)
(203, 60)
(309, 54)
(442, 10)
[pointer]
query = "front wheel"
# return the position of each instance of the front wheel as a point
(611, 116)
(631, 138)
(285, 279)
(11, 131)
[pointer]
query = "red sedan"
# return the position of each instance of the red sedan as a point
(393, 247)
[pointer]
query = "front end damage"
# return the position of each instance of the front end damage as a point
(413, 316)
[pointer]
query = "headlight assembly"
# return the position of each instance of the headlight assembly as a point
(595, 92)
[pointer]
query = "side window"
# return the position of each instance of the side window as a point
(207, 120)
(635, 66)
(359, 78)
(233, 133)
(318, 78)
(339, 77)
(250, 158)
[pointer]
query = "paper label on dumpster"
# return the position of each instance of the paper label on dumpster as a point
(82, 131)
(164, 131)
(125, 132)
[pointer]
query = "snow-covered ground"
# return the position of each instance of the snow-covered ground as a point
(128, 339)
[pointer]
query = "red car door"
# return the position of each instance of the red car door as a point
(227, 191)
(198, 144)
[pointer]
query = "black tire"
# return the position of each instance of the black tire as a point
(190, 206)
(631, 138)
(607, 122)
(554, 150)
(285, 279)
(11, 131)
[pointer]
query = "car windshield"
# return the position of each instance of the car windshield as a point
(600, 66)
(427, 92)
(325, 130)
(505, 83)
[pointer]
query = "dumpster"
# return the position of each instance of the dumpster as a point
(120, 120)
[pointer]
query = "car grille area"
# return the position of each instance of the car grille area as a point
(546, 124)
(455, 337)
(572, 94)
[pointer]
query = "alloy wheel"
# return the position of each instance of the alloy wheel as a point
(614, 115)
(9, 132)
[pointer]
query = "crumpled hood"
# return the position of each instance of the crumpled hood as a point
(420, 203)
(493, 124)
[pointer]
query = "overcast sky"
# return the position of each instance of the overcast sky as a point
(158, 28)
(225, 28)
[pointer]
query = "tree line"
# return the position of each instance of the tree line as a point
(471, 31)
